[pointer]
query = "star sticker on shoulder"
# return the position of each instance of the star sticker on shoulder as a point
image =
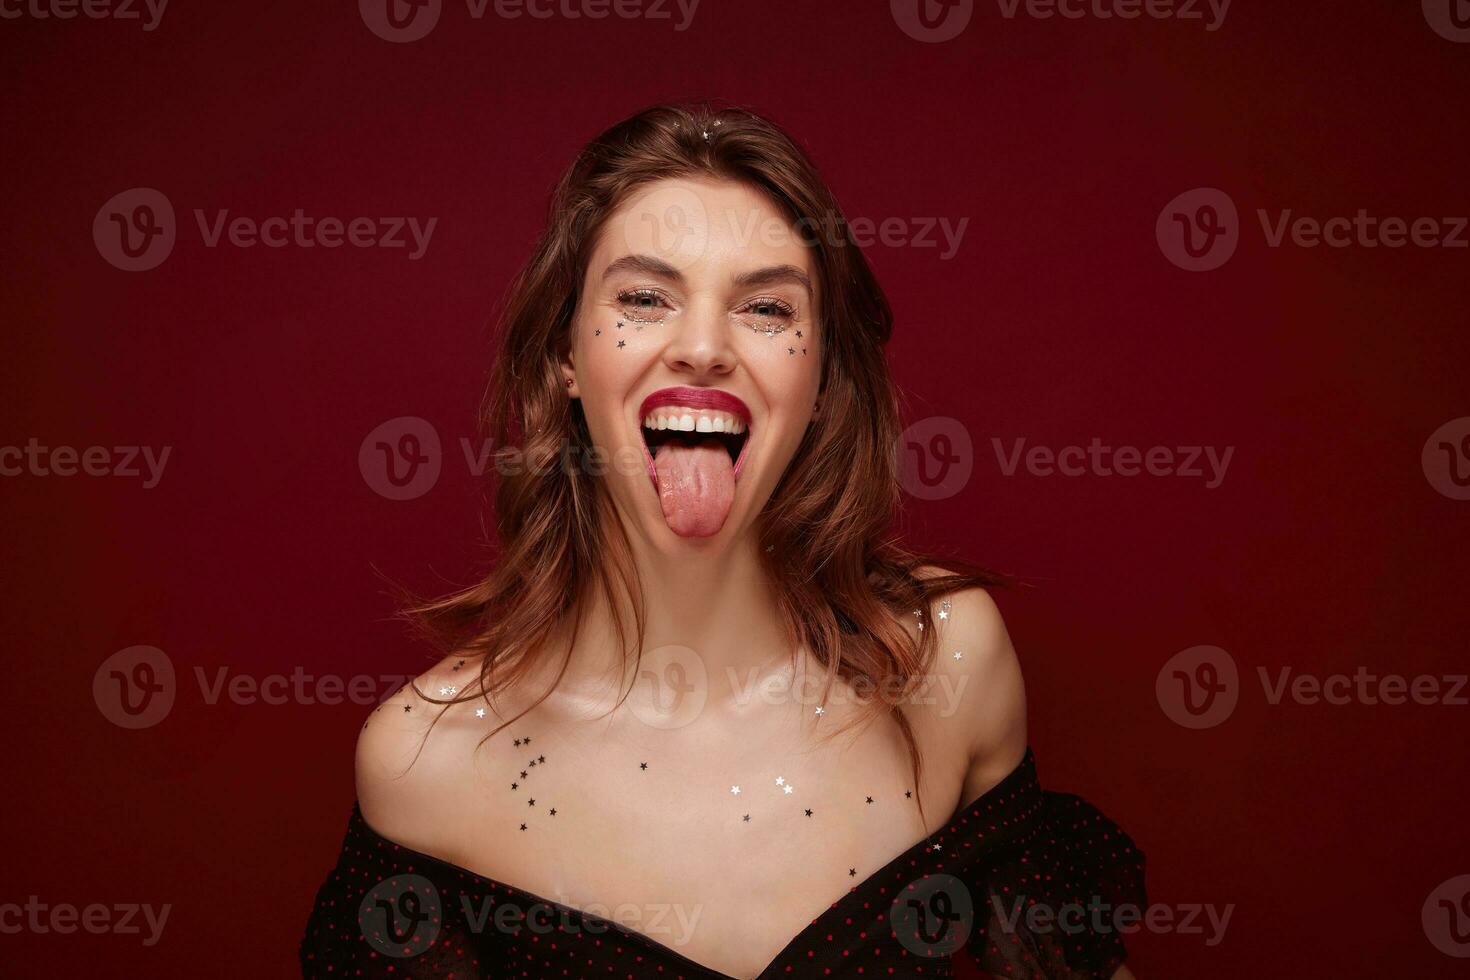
(958, 655)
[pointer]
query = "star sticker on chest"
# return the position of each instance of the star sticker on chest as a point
(869, 799)
(807, 812)
(622, 344)
(642, 765)
(523, 826)
(734, 790)
(788, 789)
(531, 801)
(958, 655)
(552, 811)
(479, 712)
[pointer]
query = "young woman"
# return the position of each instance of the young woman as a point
(704, 719)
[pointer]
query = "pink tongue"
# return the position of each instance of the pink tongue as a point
(696, 486)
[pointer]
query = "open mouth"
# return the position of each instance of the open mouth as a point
(690, 429)
(695, 440)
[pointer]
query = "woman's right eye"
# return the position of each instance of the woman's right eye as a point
(643, 304)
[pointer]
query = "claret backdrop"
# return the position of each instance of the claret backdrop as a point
(1181, 325)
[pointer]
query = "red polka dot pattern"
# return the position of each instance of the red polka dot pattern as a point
(1001, 871)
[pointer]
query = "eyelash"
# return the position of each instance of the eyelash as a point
(784, 310)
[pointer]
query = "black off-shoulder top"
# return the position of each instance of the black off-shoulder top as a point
(1024, 881)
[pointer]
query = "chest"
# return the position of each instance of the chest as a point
(720, 841)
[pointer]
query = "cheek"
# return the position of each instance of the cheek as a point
(787, 369)
(609, 362)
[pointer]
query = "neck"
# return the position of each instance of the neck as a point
(713, 600)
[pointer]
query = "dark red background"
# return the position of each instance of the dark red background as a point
(1326, 548)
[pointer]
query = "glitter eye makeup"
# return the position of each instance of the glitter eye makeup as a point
(767, 315)
(642, 303)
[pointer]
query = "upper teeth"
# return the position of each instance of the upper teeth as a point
(703, 421)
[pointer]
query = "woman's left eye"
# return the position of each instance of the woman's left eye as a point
(767, 315)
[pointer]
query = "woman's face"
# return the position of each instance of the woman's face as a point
(695, 353)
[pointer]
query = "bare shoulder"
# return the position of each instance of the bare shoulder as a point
(415, 756)
(980, 703)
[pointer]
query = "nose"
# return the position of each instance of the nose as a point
(700, 344)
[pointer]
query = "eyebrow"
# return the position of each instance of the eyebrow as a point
(768, 276)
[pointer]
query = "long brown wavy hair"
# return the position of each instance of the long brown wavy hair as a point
(843, 584)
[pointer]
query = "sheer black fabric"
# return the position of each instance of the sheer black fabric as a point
(1027, 882)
